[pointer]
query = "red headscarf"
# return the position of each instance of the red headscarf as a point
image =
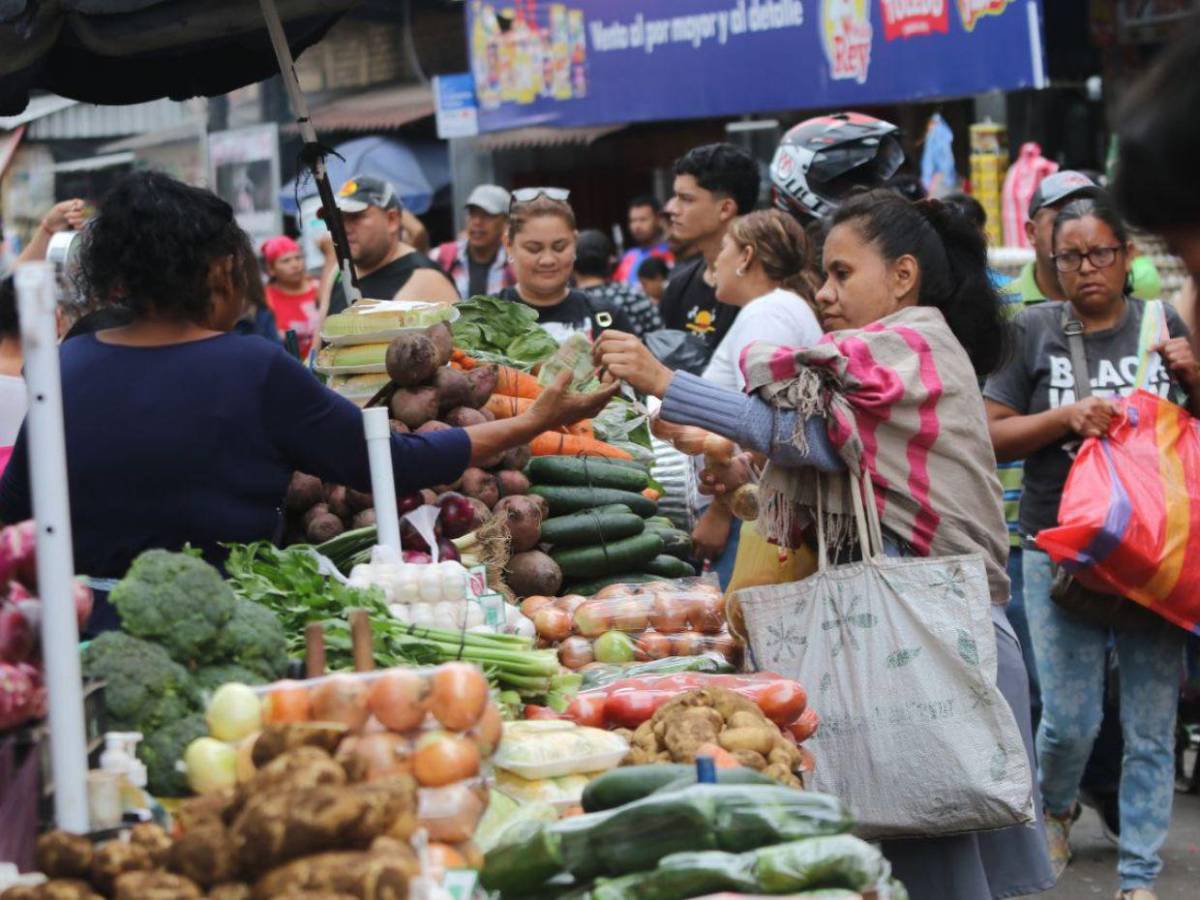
(276, 247)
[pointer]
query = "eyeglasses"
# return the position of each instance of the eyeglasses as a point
(1099, 257)
(526, 195)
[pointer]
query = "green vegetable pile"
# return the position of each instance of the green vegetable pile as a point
(184, 633)
(495, 330)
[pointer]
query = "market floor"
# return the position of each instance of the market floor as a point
(1093, 870)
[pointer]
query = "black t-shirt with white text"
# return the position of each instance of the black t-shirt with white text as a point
(690, 304)
(577, 312)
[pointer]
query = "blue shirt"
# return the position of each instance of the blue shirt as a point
(196, 442)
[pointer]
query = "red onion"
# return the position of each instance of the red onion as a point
(447, 550)
(457, 516)
(416, 556)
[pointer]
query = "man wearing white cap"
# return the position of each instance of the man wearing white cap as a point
(478, 263)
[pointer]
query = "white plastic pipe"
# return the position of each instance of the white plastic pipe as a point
(383, 482)
(37, 299)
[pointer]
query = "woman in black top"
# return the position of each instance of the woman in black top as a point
(541, 245)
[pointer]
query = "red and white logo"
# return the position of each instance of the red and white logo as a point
(846, 38)
(914, 18)
(974, 10)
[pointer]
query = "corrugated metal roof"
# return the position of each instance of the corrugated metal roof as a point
(543, 136)
(39, 107)
(377, 110)
(87, 120)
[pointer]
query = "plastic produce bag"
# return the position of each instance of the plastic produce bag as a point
(680, 876)
(841, 860)
(677, 350)
(1129, 520)
(541, 749)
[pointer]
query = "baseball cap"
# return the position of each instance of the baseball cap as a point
(491, 198)
(1061, 186)
(361, 191)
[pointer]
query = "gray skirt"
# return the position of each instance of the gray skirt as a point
(986, 865)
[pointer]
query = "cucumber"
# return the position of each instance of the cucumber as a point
(563, 499)
(590, 528)
(607, 508)
(610, 557)
(587, 588)
(568, 470)
(667, 566)
(611, 461)
(660, 521)
(675, 542)
(617, 787)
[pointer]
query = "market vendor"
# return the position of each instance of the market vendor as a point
(541, 242)
(178, 432)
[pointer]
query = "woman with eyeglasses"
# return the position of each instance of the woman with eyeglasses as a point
(1034, 414)
(540, 242)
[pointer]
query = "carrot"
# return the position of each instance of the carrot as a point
(652, 494)
(505, 407)
(552, 443)
(721, 757)
(463, 361)
(515, 383)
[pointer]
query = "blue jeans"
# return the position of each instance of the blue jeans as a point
(1071, 663)
(1020, 624)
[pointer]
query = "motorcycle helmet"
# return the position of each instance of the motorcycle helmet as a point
(820, 161)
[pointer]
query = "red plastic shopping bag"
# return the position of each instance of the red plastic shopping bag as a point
(1129, 520)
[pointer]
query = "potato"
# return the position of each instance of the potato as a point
(412, 358)
(513, 482)
(218, 806)
(61, 854)
(516, 457)
(24, 892)
(453, 388)
(483, 384)
(523, 519)
(205, 855)
(443, 339)
(115, 858)
(324, 528)
(303, 768)
(66, 889)
(750, 759)
(464, 417)
(533, 572)
(414, 406)
(369, 876)
(155, 886)
(304, 492)
(230, 890)
(154, 839)
(481, 485)
(278, 738)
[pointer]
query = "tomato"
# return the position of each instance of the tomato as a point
(533, 711)
(629, 708)
(681, 681)
(805, 726)
(587, 709)
(781, 701)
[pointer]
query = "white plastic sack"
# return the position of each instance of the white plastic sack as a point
(899, 658)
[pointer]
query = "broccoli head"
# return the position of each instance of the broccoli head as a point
(254, 639)
(177, 601)
(146, 689)
(162, 750)
(209, 678)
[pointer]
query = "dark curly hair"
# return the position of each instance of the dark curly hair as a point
(152, 244)
(723, 169)
(10, 326)
(952, 255)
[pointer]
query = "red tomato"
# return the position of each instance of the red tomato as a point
(681, 681)
(781, 701)
(532, 711)
(587, 709)
(805, 726)
(629, 709)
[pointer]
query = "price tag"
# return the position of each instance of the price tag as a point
(460, 883)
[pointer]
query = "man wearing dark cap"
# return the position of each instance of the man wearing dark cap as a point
(1038, 281)
(387, 267)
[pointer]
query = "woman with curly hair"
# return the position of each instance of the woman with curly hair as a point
(180, 432)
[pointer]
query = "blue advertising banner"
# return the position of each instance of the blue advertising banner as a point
(596, 62)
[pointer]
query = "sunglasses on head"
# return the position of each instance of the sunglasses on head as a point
(526, 195)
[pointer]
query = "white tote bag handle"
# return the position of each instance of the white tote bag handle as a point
(866, 519)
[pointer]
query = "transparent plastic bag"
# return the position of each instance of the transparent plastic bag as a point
(554, 748)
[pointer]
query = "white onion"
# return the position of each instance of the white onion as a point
(401, 612)
(429, 587)
(475, 615)
(421, 614)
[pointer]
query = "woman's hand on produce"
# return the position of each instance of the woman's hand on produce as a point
(626, 357)
(1178, 357)
(711, 533)
(558, 405)
(1090, 417)
(718, 480)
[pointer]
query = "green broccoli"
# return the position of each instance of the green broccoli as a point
(209, 678)
(254, 639)
(162, 750)
(177, 601)
(146, 689)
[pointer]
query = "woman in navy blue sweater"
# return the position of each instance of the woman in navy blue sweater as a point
(177, 430)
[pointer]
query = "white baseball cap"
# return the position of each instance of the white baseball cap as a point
(491, 198)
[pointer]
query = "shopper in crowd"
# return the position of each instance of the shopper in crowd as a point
(478, 263)
(594, 257)
(257, 319)
(179, 433)
(13, 398)
(652, 277)
(291, 294)
(541, 241)
(893, 270)
(908, 186)
(648, 236)
(1038, 280)
(386, 266)
(1034, 414)
(714, 184)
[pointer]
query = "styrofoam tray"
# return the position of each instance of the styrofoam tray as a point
(379, 337)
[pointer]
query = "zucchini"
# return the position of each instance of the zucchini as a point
(668, 566)
(563, 499)
(610, 557)
(617, 787)
(587, 588)
(568, 470)
(590, 527)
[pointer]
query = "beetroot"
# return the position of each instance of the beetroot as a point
(412, 358)
(410, 538)
(432, 425)
(398, 427)
(338, 502)
(429, 497)
(483, 384)
(304, 492)
(414, 406)
(17, 636)
(516, 457)
(408, 502)
(363, 518)
(523, 518)
(533, 573)
(453, 388)
(324, 528)
(359, 500)
(481, 485)
(443, 339)
(464, 417)
(481, 513)
(457, 515)
(512, 482)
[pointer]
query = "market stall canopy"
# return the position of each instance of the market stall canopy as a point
(130, 51)
(417, 171)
